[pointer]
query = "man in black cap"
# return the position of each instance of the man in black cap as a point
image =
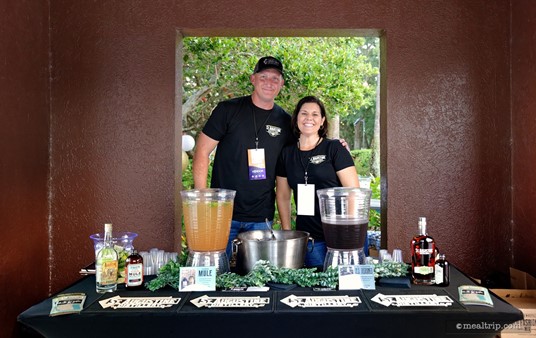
(250, 132)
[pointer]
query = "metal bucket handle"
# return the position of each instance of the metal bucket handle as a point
(235, 244)
(312, 243)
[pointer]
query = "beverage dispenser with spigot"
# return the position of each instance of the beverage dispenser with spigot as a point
(345, 215)
(207, 219)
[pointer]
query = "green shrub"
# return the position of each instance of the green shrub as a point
(362, 161)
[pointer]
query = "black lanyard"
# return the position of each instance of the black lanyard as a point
(305, 167)
(255, 125)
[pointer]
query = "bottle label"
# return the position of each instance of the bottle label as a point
(134, 274)
(424, 270)
(428, 251)
(106, 273)
(438, 274)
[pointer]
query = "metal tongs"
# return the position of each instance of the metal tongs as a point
(270, 228)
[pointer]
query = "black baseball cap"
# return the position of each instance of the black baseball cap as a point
(268, 62)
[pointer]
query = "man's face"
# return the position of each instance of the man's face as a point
(267, 84)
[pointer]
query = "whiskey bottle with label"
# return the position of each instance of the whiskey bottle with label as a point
(106, 264)
(422, 256)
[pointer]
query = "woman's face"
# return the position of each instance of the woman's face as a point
(310, 119)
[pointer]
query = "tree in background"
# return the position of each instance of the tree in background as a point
(342, 71)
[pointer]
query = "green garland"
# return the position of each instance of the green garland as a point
(264, 272)
(390, 269)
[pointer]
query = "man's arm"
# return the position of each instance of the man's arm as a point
(205, 145)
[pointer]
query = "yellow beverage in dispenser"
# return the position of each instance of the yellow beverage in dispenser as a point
(207, 218)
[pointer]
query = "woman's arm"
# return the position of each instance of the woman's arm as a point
(348, 177)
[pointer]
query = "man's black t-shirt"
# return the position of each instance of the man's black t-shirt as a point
(325, 160)
(233, 123)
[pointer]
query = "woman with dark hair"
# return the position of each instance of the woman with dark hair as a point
(314, 163)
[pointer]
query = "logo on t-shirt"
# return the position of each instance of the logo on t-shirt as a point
(273, 130)
(317, 159)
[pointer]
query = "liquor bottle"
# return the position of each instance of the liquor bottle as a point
(422, 256)
(106, 264)
(134, 271)
(442, 271)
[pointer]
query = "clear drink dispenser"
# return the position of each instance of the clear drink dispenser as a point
(345, 216)
(207, 220)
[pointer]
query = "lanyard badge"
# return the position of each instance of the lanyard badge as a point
(256, 158)
(306, 192)
(306, 200)
(256, 164)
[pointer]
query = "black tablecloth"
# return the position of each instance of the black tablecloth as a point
(368, 319)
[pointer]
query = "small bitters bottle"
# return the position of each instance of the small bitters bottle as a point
(442, 271)
(134, 271)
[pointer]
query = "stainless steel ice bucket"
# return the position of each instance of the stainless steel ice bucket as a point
(286, 250)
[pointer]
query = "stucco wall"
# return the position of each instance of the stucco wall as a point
(24, 119)
(446, 129)
(112, 127)
(112, 68)
(524, 134)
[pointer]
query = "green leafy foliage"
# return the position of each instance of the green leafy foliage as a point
(342, 71)
(374, 216)
(168, 275)
(264, 272)
(390, 269)
(362, 161)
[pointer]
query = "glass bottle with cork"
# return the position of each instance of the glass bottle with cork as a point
(423, 251)
(106, 264)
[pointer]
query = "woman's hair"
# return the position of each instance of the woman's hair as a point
(323, 131)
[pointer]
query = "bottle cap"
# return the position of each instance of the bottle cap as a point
(422, 225)
(108, 227)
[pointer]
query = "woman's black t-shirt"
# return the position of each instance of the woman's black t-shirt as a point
(324, 161)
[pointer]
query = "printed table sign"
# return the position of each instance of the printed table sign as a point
(321, 301)
(67, 303)
(119, 302)
(356, 277)
(197, 278)
(412, 300)
(230, 302)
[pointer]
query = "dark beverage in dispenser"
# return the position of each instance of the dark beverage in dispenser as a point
(345, 236)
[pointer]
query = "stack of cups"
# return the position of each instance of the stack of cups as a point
(155, 259)
(385, 256)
